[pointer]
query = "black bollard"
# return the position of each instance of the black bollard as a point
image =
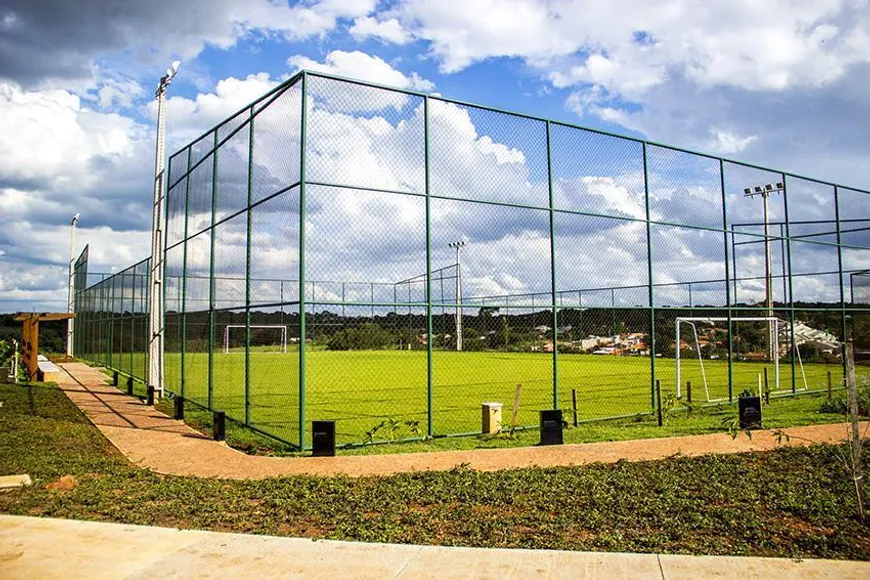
(115, 379)
(150, 397)
(130, 386)
(219, 427)
(179, 408)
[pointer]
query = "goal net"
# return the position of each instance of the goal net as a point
(759, 346)
(265, 338)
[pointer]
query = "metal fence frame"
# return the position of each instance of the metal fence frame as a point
(99, 312)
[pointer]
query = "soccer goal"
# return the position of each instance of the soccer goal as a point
(697, 341)
(265, 338)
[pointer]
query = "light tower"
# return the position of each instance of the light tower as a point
(457, 246)
(155, 296)
(764, 191)
(71, 287)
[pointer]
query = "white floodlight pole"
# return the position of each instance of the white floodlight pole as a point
(457, 246)
(155, 297)
(764, 191)
(71, 287)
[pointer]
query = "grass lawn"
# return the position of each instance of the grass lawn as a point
(790, 503)
(359, 389)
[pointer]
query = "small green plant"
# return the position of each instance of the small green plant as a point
(673, 404)
(391, 429)
(840, 403)
(732, 426)
(6, 352)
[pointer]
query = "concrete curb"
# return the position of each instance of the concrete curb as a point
(52, 548)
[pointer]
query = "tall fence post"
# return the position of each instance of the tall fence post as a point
(555, 312)
(248, 270)
(843, 329)
(211, 282)
(730, 273)
(790, 297)
(183, 336)
(649, 262)
(303, 145)
(430, 419)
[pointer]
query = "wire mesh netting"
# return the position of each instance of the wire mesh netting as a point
(392, 261)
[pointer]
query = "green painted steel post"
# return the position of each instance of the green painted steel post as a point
(248, 272)
(133, 323)
(728, 274)
(120, 358)
(111, 343)
(302, 217)
(183, 348)
(733, 251)
(794, 346)
(211, 286)
(649, 262)
(843, 329)
(553, 272)
(430, 409)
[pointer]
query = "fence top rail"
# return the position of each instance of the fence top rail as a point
(644, 142)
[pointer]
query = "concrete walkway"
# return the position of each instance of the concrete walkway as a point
(153, 440)
(49, 548)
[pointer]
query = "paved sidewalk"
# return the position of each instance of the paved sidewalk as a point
(50, 548)
(153, 440)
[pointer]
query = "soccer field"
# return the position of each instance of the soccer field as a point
(359, 389)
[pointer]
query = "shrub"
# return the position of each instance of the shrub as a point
(840, 403)
(369, 336)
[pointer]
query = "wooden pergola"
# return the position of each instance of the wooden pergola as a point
(30, 336)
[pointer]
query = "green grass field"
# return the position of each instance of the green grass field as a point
(360, 389)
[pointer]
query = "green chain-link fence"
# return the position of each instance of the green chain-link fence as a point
(391, 260)
(112, 317)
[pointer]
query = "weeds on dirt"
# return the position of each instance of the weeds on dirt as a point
(790, 503)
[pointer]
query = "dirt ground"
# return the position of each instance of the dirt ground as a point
(155, 441)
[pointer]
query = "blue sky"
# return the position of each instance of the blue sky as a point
(778, 83)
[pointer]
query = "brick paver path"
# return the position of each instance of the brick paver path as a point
(151, 439)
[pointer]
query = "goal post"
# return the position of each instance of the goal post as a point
(693, 321)
(272, 337)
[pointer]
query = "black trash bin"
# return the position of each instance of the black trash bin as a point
(551, 427)
(323, 438)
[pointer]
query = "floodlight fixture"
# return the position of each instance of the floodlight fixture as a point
(75, 219)
(763, 190)
(166, 79)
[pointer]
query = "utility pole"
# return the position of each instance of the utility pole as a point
(155, 297)
(765, 191)
(457, 246)
(71, 287)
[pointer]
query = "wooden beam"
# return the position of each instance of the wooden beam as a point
(30, 336)
(43, 316)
